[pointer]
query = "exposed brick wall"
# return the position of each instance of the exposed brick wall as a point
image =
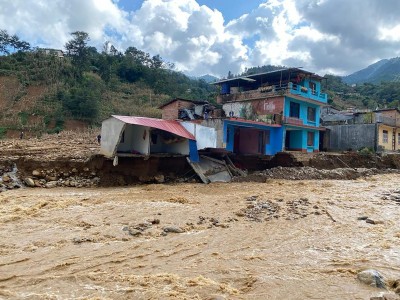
(171, 111)
(268, 106)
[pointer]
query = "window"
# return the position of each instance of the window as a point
(261, 142)
(123, 137)
(398, 139)
(294, 110)
(313, 87)
(310, 139)
(385, 137)
(268, 137)
(311, 114)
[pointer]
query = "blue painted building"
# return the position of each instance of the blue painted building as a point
(272, 112)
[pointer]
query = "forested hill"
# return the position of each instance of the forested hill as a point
(41, 89)
(383, 70)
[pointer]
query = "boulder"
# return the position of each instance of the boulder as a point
(51, 178)
(174, 229)
(159, 178)
(372, 278)
(51, 184)
(36, 173)
(29, 182)
(6, 178)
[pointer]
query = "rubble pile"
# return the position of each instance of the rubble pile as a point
(392, 196)
(308, 173)
(258, 209)
(67, 178)
(8, 177)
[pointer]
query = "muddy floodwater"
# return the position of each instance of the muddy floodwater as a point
(275, 240)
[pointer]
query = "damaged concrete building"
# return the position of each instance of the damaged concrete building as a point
(256, 115)
(378, 130)
(128, 136)
(272, 111)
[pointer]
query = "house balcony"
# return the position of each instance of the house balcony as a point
(273, 90)
(305, 92)
(292, 121)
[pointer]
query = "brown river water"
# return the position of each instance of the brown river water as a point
(275, 240)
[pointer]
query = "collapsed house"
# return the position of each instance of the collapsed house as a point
(133, 137)
(128, 136)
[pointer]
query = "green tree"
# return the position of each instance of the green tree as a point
(11, 41)
(78, 49)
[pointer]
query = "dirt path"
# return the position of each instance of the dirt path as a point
(275, 240)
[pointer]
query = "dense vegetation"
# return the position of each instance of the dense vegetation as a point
(40, 90)
(89, 85)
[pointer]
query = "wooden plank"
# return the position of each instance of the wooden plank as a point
(237, 170)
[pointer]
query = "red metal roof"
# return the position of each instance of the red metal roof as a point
(166, 125)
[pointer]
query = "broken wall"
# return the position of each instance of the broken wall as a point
(136, 139)
(206, 137)
(355, 137)
(110, 133)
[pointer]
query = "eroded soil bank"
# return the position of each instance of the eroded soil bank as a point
(281, 239)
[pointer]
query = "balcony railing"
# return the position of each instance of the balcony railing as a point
(292, 121)
(274, 90)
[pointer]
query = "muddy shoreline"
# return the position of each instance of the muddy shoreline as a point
(96, 170)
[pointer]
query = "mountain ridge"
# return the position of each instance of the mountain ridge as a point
(382, 70)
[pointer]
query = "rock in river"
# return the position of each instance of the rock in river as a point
(174, 229)
(372, 278)
(29, 182)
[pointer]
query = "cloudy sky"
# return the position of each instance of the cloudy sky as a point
(217, 36)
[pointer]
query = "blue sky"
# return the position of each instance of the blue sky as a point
(218, 36)
(231, 9)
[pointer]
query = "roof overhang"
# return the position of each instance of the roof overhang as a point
(171, 126)
(287, 72)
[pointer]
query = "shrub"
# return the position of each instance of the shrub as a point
(366, 151)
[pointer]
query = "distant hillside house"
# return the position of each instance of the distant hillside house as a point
(55, 52)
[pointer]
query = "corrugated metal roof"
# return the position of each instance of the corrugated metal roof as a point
(166, 125)
(270, 73)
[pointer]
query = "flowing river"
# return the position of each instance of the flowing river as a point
(275, 240)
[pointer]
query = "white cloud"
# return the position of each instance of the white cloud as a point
(336, 35)
(49, 23)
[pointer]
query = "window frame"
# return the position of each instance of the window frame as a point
(294, 107)
(310, 138)
(385, 136)
(313, 87)
(313, 114)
